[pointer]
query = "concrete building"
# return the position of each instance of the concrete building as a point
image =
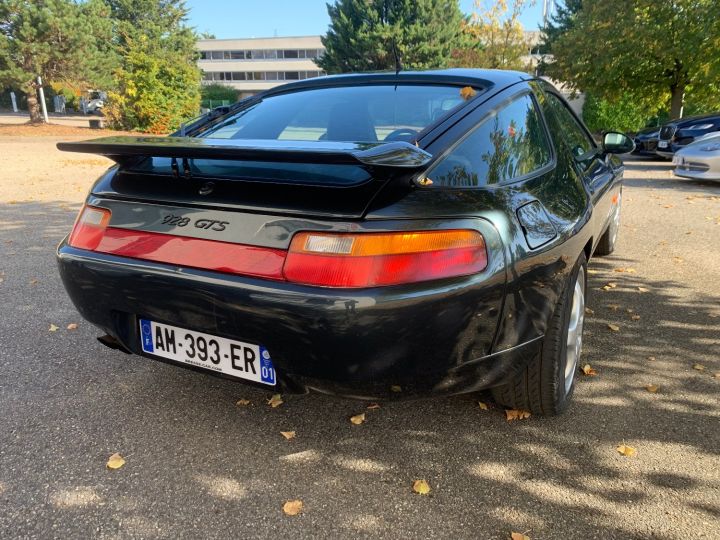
(252, 65)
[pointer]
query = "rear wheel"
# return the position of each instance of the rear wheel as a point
(547, 383)
(606, 244)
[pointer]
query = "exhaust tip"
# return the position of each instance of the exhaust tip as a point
(112, 343)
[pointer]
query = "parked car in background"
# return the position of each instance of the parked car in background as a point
(355, 234)
(700, 159)
(679, 133)
(646, 141)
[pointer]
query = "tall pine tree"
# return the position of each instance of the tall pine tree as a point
(364, 34)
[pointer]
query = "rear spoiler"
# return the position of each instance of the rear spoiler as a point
(124, 150)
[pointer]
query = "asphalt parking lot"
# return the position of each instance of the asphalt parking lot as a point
(198, 465)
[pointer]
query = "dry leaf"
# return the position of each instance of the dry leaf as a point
(115, 461)
(293, 508)
(668, 206)
(652, 388)
(613, 327)
(591, 271)
(651, 358)
(358, 419)
(518, 536)
(242, 402)
(421, 487)
(716, 375)
(483, 405)
(275, 401)
(396, 388)
(588, 370)
(467, 92)
(589, 311)
(33, 281)
(288, 434)
(643, 289)
(611, 284)
(72, 326)
(613, 307)
(699, 367)
(627, 451)
(53, 328)
(635, 317)
(373, 406)
(516, 414)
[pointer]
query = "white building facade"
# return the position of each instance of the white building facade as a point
(256, 64)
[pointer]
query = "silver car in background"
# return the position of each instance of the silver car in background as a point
(700, 159)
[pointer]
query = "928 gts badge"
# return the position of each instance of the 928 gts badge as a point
(207, 224)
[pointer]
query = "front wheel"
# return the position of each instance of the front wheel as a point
(547, 383)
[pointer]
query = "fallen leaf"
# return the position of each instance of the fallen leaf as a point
(33, 281)
(516, 414)
(288, 434)
(678, 259)
(275, 401)
(614, 307)
(53, 328)
(242, 402)
(358, 419)
(613, 327)
(629, 310)
(668, 206)
(72, 326)
(396, 388)
(589, 311)
(421, 487)
(699, 367)
(588, 370)
(627, 451)
(611, 284)
(591, 271)
(651, 358)
(373, 406)
(115, 461)
(635, 317)
(483, 405)
(652, 388)
(518, 536)
(643, 289)
(293, 508)
(716, 375)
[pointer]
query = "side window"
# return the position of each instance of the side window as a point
(575, 136)
(508, 143)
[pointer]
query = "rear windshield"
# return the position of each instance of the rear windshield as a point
(366, 113)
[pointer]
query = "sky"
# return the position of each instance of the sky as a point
(266, 18)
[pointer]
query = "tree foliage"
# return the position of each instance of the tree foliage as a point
(495, 38)
(363, 34)
(657, 50)
(622, 113)
(58, 40)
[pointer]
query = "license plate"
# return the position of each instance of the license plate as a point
(662, 144)
(235, 358)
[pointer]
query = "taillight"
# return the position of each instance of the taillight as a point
(376, 259)
(89, 228)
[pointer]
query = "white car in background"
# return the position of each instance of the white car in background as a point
(699, 160)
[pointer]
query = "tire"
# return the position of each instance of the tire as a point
(546, 385)
(606, 244)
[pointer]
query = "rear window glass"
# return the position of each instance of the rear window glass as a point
(365, 113)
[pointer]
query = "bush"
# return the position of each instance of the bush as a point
(218, 92)
(621, 114)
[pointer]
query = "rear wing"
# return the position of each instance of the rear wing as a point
(125, 150)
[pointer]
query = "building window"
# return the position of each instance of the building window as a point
(216, 55)
(237, 55)
(290, 54)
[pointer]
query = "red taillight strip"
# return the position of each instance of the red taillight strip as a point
(194, 252)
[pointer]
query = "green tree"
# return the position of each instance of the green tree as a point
(622, 113)
(657, 50)
(363, 34)
(495, 36)
(562, 21)
(58, 40)
(158, 82)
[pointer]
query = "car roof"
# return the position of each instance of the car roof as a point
(691, 119)
(482, 78)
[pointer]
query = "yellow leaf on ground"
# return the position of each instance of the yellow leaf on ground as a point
(275, 401)
(396, 388)
(519, 536)
(288, 434)
(699, 367)
(613, 327)
(635, 317)
(588, 370)
(421, 487)
(53, 328)
(591, 271)
(614, 307)
(589, 311)
(643, 289)
(627, 451)
(358, 419)
(293, 508)
(242, 402)
(716, 375)
(651, 358)
(516, 414)
(72, 326)
(33, 281)
(373, 406)
(115, 461)
(652, 388)
(483, 405)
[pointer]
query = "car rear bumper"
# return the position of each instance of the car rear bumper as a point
(428, 338)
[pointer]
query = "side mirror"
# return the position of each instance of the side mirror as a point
(617, 143)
